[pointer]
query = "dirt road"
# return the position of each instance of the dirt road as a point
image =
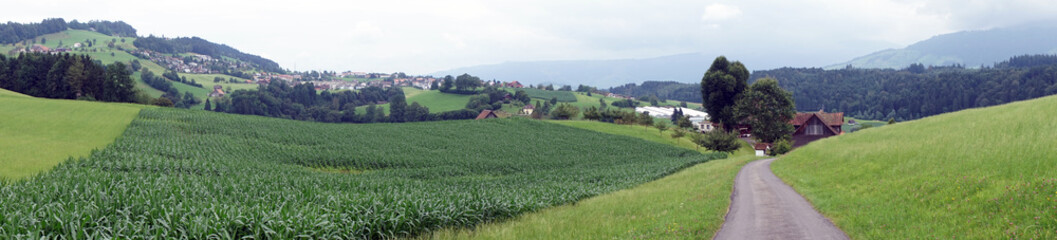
(763, 207)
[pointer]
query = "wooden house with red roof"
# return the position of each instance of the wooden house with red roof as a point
(813, 126)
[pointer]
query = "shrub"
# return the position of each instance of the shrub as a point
(780, 147)
(721, 141)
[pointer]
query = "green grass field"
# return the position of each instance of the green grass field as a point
(872, 123)
(988, 173)
(435, 100)
(690, 204)
(36, 134)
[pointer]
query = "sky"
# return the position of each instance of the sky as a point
(422, 37)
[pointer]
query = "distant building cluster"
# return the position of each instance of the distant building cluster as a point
(193, 63)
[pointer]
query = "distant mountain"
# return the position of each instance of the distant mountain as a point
(599, 73)
(968, 48)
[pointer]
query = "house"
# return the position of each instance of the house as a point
(486, 114)
(527, 110)
(704, 126)
(514, 84)
(761, 148)
(218, 91)
(815, 125)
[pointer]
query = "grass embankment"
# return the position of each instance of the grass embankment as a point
(36, 134)
(985, 173)
(689, 204)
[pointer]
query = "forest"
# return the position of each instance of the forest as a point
(903, 94)
(66, 76)
(917, 91)
(201, 46)
(12, 32)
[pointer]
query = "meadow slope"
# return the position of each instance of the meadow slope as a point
(36, 134)
(985, 173)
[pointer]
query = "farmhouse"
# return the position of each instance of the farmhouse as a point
(486, 114)
(514, 84)
(816, 125)
(527, 110)
(218, 91)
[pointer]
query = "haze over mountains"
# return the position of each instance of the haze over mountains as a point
(967, 48)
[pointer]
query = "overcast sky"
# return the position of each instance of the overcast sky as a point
(421, 37)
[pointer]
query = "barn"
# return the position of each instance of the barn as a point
(813, 126)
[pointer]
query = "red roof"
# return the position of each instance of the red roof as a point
(761, 146)
(833, 121)
(486, 114)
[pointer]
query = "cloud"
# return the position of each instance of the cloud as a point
(720, 12)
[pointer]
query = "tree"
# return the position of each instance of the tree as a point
(721, 141)
(645, 119)
(768, 109)
(433, 86)
(684, 122)
(892, 120)
(661, 126)
(369, 117)
(678, 133)
(522, 96)
(601, 103)
(465, 82)
(592, 113)
(118, 86)
(208, 107)
(447, 84)
(565, 112)
(721, 86)
(698, 139)
(397, 106)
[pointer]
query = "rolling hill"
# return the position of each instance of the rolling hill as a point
(233, 176)
(36, 133)
(967, 48)
(984, 173)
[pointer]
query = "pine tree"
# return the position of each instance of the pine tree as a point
(208, 107)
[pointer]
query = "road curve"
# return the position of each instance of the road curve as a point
(764, 207)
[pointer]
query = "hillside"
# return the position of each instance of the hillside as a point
(985, 173)
(967, 48)
(38, 133)
(599, 73)
(233, 175)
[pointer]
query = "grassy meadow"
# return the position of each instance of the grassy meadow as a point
(36, 134)
(986, 173)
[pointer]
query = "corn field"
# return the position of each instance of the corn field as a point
(178, 174)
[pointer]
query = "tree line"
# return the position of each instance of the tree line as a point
(902, 94)
(916, 91)
(201, 46)
(302, 102)
(66, 76)
(12, 32)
